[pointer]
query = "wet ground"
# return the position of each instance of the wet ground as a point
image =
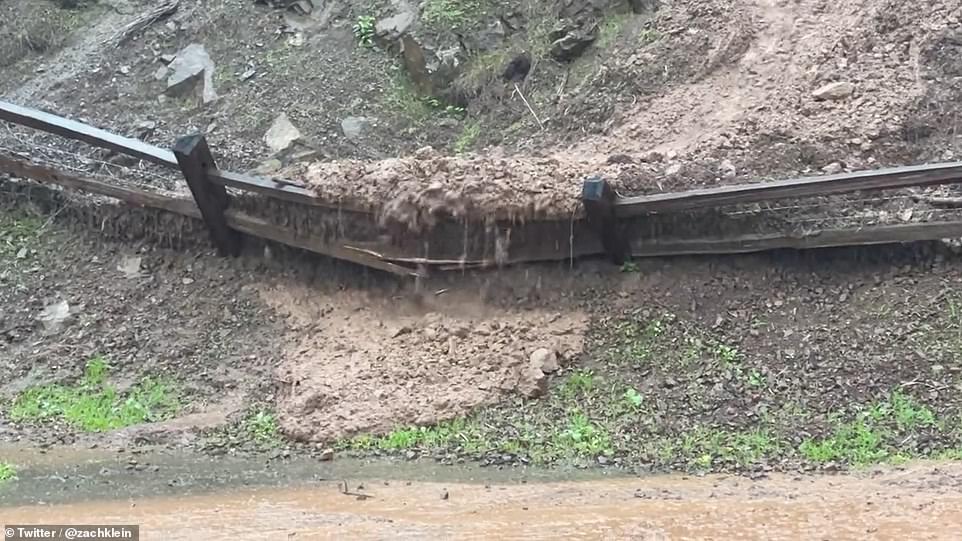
(178, 496)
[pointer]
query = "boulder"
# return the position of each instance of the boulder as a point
(570, 40)
(533, 382)
(545, 360)
(192, 71)
(834, 91)
(395, 26)
(282, 134)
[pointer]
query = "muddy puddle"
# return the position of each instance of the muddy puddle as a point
(173, 496)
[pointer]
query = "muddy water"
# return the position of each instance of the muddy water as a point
(921, 502)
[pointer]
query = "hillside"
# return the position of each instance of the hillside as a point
(656, 95)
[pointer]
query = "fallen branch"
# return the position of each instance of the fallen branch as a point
(140, 23)
(517, 90)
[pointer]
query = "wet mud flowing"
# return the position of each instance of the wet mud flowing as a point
(921, 502)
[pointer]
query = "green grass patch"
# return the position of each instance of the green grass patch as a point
(92, 405)
(873, 435)
(637, 341)
(449, 14)
(7, 472)
(579, 383)
(456, 433)
(467, 138)
(582, 437)
(262, 428)
(703, 448)
(18, 232)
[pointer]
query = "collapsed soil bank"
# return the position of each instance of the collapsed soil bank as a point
(660, 101)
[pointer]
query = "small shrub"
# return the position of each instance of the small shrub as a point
(364, 30)
(7, 472)
(261, 426)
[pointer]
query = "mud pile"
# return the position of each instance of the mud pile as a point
(362, 365)
(420, 190)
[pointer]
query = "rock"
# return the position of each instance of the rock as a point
(161, 73)
(395, 26)
(834, 91)
(192, 71)
(444, 494)
(410, 455)
(53, 315)
(545, 360)
(833, 168)
(653, 157)
(130, 266)
(533, 382)
(282, 134)
(728, 169)
(354, 127)
(327, 455)
(517, 69)
(433, 69)
(570, 41)
(673, 169)
(167, 58)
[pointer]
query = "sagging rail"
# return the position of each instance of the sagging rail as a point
(604, 229)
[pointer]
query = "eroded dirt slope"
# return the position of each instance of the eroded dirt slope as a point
(685, 93)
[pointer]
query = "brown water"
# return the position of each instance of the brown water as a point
(921, 502)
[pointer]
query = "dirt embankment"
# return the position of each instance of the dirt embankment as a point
(653, 97)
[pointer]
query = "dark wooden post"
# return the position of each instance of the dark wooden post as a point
(599, 201)
(195, 160)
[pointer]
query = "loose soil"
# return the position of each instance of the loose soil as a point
(171, 500)
(743, 364)
(694, 93)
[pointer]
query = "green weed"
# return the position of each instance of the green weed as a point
(579, 383)
(629, 266)
(17, 233)
(648, 36)
(637, 343)
(364, 30)
(449, 13)
(93, 405)
(261, 425)
(756, 378)
(703, 447)
(583, 437)
(728, 355)
(863, 441)
(450, 433)
(855, 443)
(469, 134)
(7, 472)
(633, 399)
